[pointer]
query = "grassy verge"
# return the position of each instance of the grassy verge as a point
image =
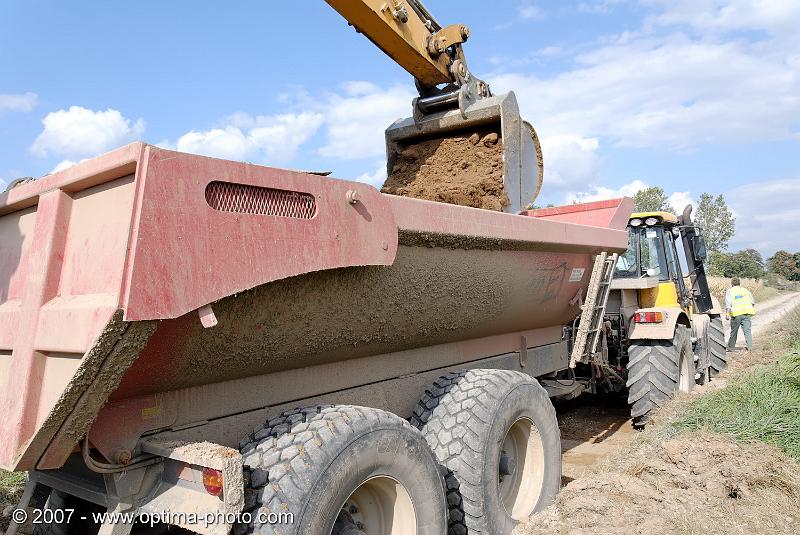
(11, 484)
(762, 405)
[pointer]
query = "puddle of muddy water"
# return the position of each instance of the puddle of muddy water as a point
(591, 428)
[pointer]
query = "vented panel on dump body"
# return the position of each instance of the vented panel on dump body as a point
(247, 199)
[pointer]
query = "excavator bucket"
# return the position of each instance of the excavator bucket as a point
(521, 154)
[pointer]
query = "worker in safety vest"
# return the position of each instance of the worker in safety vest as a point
(739, 308)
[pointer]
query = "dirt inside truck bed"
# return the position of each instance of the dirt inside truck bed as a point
(466, 170)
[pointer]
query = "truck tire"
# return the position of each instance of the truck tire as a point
(341, 470)
(657, 369)
(495, 433)
(717, 356)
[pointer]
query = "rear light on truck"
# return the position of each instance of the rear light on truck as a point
(212, 481)
(648, 317)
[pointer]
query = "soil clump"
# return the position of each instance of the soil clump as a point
(465, 170)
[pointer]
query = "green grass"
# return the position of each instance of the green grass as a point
(11, 484)
(760, 405)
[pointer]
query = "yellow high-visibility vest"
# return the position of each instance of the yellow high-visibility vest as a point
(741, 301)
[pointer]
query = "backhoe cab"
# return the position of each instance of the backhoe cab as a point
(664, 329)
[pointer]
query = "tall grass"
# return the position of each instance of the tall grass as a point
(761, 292)
(761, 405)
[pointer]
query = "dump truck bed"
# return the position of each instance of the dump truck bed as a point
(145, 281)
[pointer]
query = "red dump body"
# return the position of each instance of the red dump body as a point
(103, 268)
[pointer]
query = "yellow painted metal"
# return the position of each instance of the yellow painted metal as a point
(665, 295)
(405, 42)
(665, 217)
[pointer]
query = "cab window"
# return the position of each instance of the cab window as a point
(652, 258)
(672, 261)
(627, 264)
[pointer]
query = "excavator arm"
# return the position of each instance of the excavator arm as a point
(409, 34)
(452, 102)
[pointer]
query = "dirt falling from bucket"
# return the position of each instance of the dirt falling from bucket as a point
(467, 171)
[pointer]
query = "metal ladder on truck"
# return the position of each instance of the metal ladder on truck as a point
(594, 309)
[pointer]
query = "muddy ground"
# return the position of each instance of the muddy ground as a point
(618, 480)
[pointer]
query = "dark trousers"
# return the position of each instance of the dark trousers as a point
(743, 321)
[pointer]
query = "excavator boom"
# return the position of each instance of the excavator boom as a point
(407, 33)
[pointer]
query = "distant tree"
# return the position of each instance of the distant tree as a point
(716, 220)
(756, 258)
(785, 264)
(748, 263)
(652, 200)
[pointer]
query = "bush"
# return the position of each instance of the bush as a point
(747, 263)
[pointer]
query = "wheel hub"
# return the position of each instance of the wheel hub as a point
(521, 469)
(379, 506)
(508, 465)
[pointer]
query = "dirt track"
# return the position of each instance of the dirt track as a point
(771, 310)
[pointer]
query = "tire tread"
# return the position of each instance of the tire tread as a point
(653, 373)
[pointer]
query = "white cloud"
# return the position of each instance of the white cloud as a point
(661, 87)
(355, 122)
(352, 123)
(376, 178)
(83, 132)
(677, 199)
(680, 199)
(601, 193)
(776, 16)
(767, 215)
(63, 164)
(274, 138)
(570, 161)
(531, 12)
(20, 102)
(675, 94)
(602, 6)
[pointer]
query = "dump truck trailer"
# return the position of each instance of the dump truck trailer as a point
(183, 335)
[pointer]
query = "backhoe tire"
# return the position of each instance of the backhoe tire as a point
(341, 469)
(657, 369)
(496, 435)
(717, 356)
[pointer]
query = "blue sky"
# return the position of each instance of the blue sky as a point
(694, 96)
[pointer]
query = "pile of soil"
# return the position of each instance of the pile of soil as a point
(690, 483)
(467, 171)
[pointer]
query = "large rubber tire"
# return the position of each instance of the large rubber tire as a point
(657, 369)
(717, 356)
(308, 462)
(465, 417)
